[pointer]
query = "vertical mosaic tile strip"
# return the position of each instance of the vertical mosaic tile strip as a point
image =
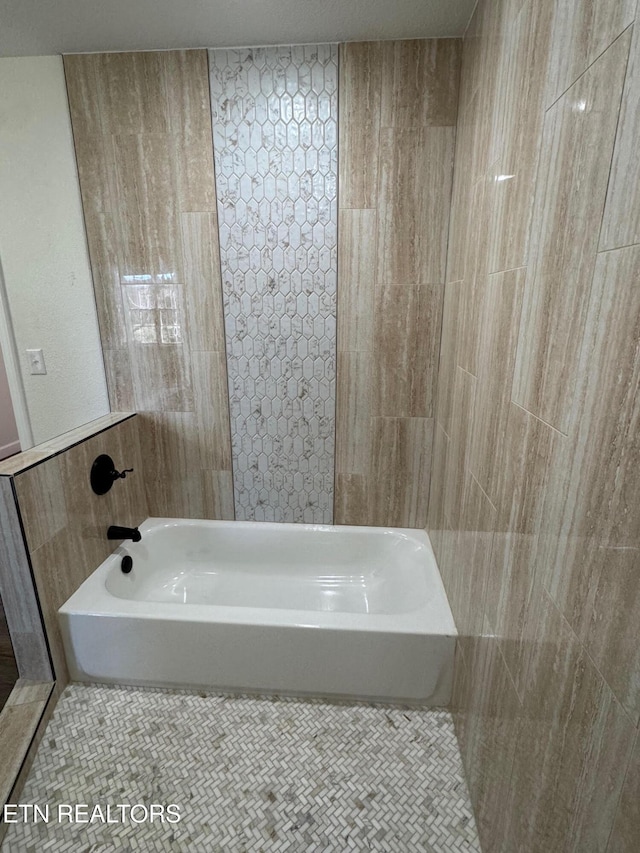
(250, 775)
(275, 145)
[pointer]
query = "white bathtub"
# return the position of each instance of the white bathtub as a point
(356, 612)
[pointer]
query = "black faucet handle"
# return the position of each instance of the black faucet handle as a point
(122, 474)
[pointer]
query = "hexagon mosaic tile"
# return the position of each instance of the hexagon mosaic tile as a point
(275, 114)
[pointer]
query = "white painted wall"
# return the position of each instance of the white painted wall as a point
(43, 249)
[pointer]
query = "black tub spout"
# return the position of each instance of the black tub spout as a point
(116, 532)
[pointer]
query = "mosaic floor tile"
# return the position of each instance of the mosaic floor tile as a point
(248, 774)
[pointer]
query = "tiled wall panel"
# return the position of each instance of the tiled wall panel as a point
(65, 523)
(8, 665)
(398, 107)
(56, 529)
(570, 195)
(275, 143)
(143, 141)
(19, 598)
(142, 132)
(533, 506)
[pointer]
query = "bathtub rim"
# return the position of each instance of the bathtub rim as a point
(431, 619)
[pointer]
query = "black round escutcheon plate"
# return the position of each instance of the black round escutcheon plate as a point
(102, 474)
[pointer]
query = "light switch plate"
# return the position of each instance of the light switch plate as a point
(36, 362)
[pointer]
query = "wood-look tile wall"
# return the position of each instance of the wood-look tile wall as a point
(536, 485)
(398, 108)
(8, 666)
(142, 132)
(19, 598)
(65, 523)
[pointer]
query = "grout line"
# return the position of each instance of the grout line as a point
(224, 350)
(555, 429)
(511, 269)
(370, 475)
(590, 65)
(438, 424)
(464, 370)
(617, 248)
(508, 671)
(336, 350)
(473, 12)
(473, 477)
(615, 143)
(401, 418)
(587, 653)
(634, 745)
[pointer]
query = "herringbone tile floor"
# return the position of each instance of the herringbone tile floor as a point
(249, 774)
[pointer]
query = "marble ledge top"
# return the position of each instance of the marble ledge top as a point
(21, 461)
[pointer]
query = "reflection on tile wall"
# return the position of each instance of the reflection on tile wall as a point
(535, 491)
(142, 133)
(274, 128)
(398, 107)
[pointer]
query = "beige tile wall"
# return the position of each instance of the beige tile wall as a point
(65, 523)
(143, 141)
(398, 107)
(535, 488)
(142, 131)
(19, 598)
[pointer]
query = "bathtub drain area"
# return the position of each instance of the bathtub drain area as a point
(247, 774)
